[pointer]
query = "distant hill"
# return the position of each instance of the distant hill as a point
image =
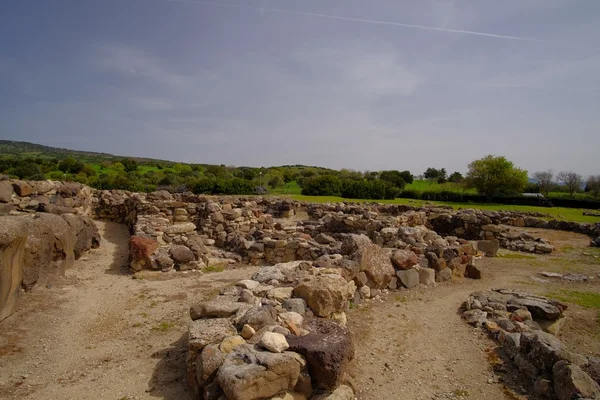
(27, 149)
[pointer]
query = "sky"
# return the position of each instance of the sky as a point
(365, 85)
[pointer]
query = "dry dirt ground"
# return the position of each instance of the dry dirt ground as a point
(100, 334)
(414, 344)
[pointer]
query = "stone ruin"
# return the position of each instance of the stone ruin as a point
(282, 334)
(37, 247)
(525, 326)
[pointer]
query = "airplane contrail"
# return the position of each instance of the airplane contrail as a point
(378, 22)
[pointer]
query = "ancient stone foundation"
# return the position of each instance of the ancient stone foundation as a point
(525, 326)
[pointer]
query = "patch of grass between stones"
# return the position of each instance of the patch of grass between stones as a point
(163, 326)
(584, 299)
(517, 256)
(214, 268)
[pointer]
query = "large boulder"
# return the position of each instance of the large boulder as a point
(258, 317)
(570, 382)
(49, 250)
(404, 259)
(13, 235)
(181, 254)
(86, 233)
(249, 374)
(328, 349)
(215, 309)
(488, 247)
(373, 260)
(22, 188)
(6, 191)
(325, 294)
(203, 332)
(409, 278)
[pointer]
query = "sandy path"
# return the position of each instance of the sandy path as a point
(414, 345)
(99, 334)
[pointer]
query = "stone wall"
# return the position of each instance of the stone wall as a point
(44, 196)
(35, 249)
(525, 326)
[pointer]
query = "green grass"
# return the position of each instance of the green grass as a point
(163, 326)
(291, 188)
(560, 213)
(517, 256)
(584, 299)
(214, 268)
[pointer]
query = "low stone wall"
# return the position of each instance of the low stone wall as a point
(37, 248)
(525, 326)
(45, 196)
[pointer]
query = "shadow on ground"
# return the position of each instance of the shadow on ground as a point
(169, 378)
(118, 236)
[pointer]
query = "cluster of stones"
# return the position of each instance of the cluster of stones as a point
(186, 232)
(282, 335)
(525, 326)
(48, 196)
(44, 227)
(211, 231)
(484, 224)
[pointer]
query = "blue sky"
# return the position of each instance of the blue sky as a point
(367, 85)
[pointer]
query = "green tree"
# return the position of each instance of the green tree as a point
(70, 166)
(393, 177)
(455, 177)
(276, 181)
(593, 185)
(129, 164)
(492, 176)
(431, 174)
(407, 177)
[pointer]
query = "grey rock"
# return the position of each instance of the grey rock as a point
(426, 276)
(248, 374)
(443, 275)
(295, 305)
(203, 332)
(488, 247)
(215, 309)
(408, 278)
(570, 382)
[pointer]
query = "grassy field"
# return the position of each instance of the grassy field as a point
(568, 214)
(560, 213)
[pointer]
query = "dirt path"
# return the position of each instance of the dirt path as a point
(99, 334)
(414, 344)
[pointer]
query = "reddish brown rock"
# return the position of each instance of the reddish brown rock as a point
(22, 188)
(140, 250)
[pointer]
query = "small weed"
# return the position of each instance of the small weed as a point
(460, 393)
(142, 296)
(584, 299)
(517, 256)
(163, 326)
(153, 304)
(145, 315)
(390, 315)
(214, 268)
(351, 305)
(401, 299)
(137, 324)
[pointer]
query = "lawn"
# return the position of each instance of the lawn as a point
(560, 213)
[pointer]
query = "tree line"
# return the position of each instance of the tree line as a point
(490, 176)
